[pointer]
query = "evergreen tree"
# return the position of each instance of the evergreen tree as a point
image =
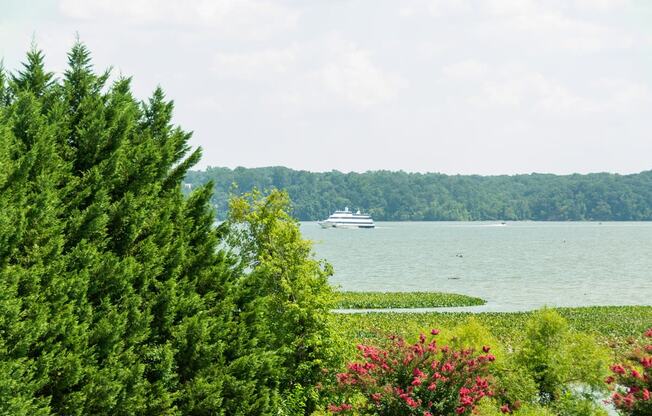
(115, 294)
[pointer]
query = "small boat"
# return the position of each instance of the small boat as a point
(347, 219)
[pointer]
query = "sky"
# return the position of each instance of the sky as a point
(451, 86)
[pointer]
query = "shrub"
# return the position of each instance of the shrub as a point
(559, 360)
(513, 384)
(631, 381)
(421, 378)
(283, 293)
(492, 408)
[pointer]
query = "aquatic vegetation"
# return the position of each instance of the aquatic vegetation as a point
(605, 323)
(420, 378)
(383, 300)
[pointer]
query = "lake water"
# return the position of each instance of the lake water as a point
(518, 266)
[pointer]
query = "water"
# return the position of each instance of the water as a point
(518, 266)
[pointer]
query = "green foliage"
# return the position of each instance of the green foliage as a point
(513, 383)
(561, 380)
(491, 408)
(573, 404)
(557, 359)
(400, 196)
(384, 300)
(285, 291)
(116, 293)
(605, 323)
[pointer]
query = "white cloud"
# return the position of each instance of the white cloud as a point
(436, 8)
(535, 90)
(257, 65)
(353, 76)
(621, 95)
(465, 70)
(434, 72)
(441, 8)
(244, 18)
(552, 30)
(322, 74)
(600, 5)
(545, 24)
(527, 89)
(510, 7)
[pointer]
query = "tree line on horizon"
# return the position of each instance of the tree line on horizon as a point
(403, 196)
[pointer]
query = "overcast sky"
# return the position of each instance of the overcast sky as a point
(452, 86)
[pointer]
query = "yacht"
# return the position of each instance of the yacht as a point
(347, 219)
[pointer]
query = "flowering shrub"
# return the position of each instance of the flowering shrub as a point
(631, 381)
(421, 379)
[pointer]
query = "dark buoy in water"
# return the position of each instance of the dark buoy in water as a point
(460, 255)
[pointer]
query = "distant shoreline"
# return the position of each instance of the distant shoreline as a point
(507, 222)
(402, 196)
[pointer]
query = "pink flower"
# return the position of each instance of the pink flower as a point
(337, 409)
(618, 369)
(504, 408)
(486, 349)
(411, 402)
(436, 331)
(646, 362)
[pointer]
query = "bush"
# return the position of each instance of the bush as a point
(421, 378)
(492, 408)
(284, 294)
(631, 381)
(558, 360)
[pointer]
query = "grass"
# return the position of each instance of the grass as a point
(384, 300)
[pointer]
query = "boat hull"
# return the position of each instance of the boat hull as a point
(347, 219)
(328, 224)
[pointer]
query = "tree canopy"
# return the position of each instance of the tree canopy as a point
(117, 294)
(399, 196)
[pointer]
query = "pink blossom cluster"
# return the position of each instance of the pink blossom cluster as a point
(631, 381)
(421, 379)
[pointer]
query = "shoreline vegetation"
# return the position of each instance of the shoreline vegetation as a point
(388, 300)
(403, 196)
(607, 323)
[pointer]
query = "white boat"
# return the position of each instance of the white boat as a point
(347, 219)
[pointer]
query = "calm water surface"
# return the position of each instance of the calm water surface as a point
(518, 266)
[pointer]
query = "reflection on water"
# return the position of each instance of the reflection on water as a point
(518, 266)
